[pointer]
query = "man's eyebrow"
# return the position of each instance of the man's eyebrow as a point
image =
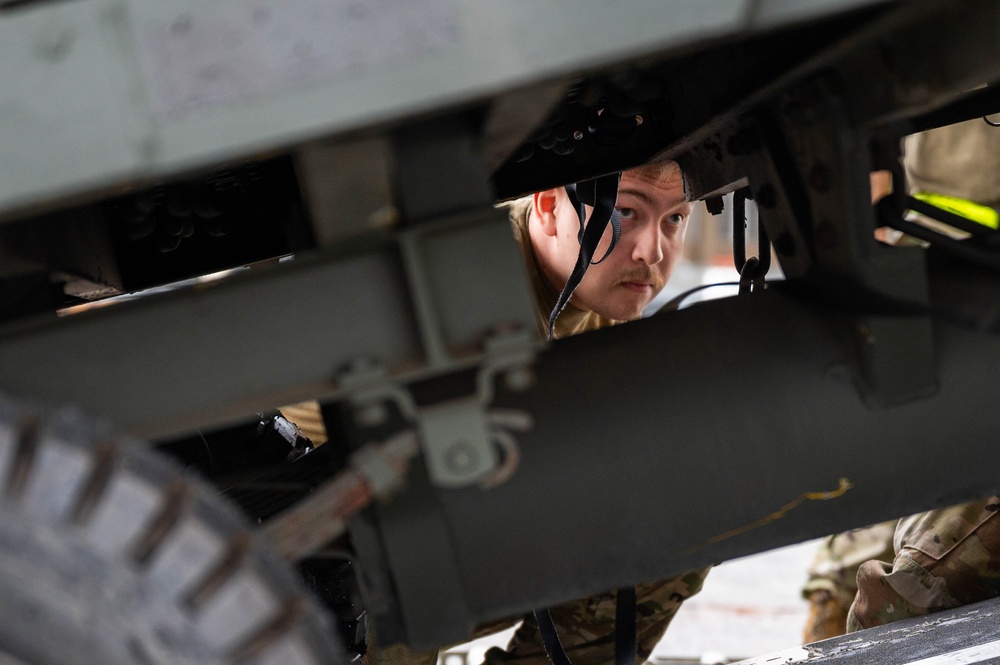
(646, 198)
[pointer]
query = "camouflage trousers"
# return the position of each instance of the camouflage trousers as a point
(944, 558)
(586, 628)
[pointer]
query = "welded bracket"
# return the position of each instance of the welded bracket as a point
(473, 310)
(462, 442)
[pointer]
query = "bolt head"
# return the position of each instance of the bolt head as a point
(460, 457)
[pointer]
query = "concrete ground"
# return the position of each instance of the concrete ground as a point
(749, 607)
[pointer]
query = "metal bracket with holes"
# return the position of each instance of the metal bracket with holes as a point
(463, 442)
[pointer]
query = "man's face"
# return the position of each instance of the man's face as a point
(654, 216)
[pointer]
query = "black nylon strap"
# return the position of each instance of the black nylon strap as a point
(625, 630)
(600, 193)
(550, 638)
(586, 192)
(626, 642)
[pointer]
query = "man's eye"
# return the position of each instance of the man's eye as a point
(677, 218)
(627, 213)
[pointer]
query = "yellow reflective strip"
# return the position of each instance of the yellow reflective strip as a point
(971, 210)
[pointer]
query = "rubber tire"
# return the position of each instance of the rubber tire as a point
(103, 543)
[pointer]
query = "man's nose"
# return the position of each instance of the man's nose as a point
(648, 247)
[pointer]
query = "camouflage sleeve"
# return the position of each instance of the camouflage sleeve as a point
(835, 565)
(946, 558)
(587, 627)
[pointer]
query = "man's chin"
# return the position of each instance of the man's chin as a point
(622, 313)
(618, 304)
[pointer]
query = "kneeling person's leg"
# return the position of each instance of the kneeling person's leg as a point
(944, 558)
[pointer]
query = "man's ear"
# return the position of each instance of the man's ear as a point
(545, 210)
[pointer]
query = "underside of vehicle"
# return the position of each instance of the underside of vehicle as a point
(211, 210)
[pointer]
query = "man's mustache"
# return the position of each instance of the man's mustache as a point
(643, 275)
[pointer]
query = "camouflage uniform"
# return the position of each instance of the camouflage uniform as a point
(945, 558)
(586, 627)
(948, 557)
(833, 573)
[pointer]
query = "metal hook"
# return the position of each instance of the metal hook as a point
(754, 269)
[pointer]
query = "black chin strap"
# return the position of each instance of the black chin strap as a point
(626, 641)
(601, 194)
